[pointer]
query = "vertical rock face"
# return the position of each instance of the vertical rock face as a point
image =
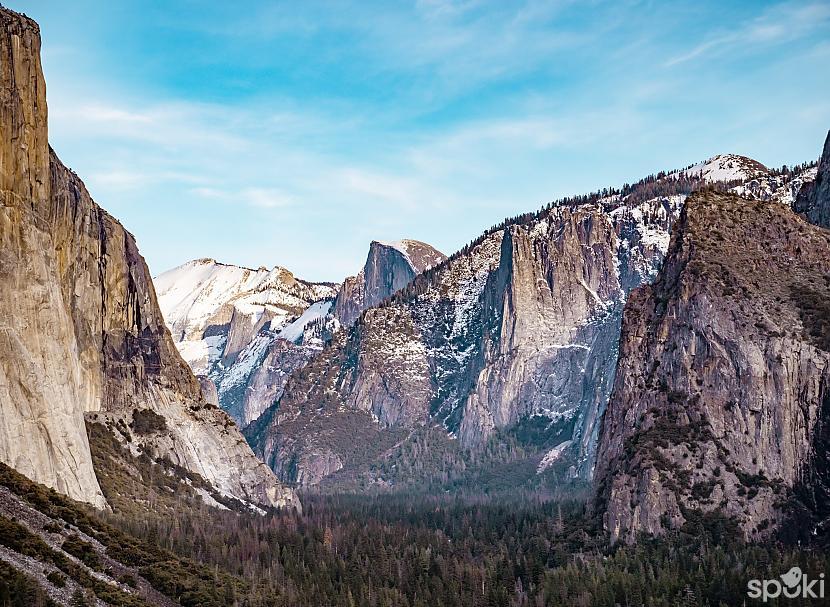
(814, 199)
(521, 325)
(80, 327)
(389, 267)
(518, 332)
(723, 375)
(43, 404)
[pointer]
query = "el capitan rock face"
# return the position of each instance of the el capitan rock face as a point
(723, 381)
(80, 327)
(42, 404)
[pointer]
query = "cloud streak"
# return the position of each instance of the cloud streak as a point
(776, 25)
(296, 135)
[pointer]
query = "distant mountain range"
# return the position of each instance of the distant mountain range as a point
(422, 365)
(509, 344)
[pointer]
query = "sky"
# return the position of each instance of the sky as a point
(294, 133)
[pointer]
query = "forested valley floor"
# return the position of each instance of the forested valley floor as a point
(395, 550)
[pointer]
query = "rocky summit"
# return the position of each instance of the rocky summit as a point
(514, 335)
(389, 267)
(722, 392)
(82, 339)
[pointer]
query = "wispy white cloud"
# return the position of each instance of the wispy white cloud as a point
(265, 198)
(778, 24)
(431, 120)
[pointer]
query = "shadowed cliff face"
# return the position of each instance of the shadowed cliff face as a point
(723, 374)
(521, 326)
(814, 199)
(80, 328)
(389, 267)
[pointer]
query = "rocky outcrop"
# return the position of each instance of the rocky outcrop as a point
(209, 392)
(515, 334)
(519, 326)
(724, 374)
(389, 267)
(814, 199)
(79, 321)
(228, 324)
(260, 387)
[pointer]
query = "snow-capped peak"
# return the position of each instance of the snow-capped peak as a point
(203, 292)
(420, 255)
(726, 167)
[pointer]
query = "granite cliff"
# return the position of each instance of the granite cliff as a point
(814, 199)
(389, 267)
(81, 332)
(722, 390)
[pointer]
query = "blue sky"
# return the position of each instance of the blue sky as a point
(294, 133)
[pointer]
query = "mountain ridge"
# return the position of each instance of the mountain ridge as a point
(448, 348)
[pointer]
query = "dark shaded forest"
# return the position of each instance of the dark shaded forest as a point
(390, 550)
(443, 551)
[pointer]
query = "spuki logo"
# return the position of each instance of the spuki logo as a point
(793, 585)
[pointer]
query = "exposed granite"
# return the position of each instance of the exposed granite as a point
(814, 199)
(80, 326)
(724, 367)
(389, 267)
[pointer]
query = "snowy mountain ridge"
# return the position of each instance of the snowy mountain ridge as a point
(225, 319)
(518, 329)
(725, 168)
(194, 293)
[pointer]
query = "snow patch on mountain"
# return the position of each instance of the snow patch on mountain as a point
(552, 456)
(726, 167)
(225, 319)
(778, 188)
(317, 311)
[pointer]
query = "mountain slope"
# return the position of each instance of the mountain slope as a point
(727, 168)
(242, 328)
(724, 373)
(389, 267)
(814, 200)
(515, 333)
(53, 551)
(81, 329)
(214, 309)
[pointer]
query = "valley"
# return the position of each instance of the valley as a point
(616, 398)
